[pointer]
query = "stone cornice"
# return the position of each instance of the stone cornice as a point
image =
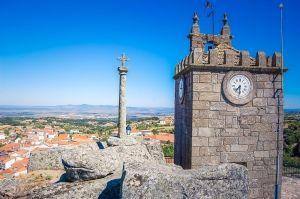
(224, 68)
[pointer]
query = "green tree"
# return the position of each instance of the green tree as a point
(168, 150)
(155, 131)
(291, 144)
(6, 132)
(39, 126)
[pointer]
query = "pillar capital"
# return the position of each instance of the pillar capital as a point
(122, 70)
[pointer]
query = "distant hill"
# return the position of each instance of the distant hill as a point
(291, 111)
(78, 111)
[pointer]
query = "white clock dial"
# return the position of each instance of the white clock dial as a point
(239, 86)
(181, 89)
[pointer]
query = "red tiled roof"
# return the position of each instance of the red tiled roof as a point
(10, 147)
(164, 137)
(20, 165)
(21, 152)
(6, 171)
(5, 159)
(80, 138)
(63, 136)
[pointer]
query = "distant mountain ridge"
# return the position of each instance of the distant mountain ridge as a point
(295, 110)
(83, 110)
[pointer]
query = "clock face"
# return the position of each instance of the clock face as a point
(238, 87)
(181, 90)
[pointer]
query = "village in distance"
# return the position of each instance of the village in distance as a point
(24, 130)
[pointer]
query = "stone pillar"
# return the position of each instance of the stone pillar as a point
(122, 102)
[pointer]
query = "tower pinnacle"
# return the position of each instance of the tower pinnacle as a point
(195, 18)
(195, 35)
(195, 28)
(225, 29)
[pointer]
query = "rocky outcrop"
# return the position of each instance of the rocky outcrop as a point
(45, 159)
(9, 187)
(126, 141)
(161, 181)
(138, 171)
(84, 165)
(81, 164)
(155, 150)
(51, 159)
(146, 180)
(107, 187)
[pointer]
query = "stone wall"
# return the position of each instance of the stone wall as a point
(183, 124)
(223, 132)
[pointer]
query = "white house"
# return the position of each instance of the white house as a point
(6, 163)
(162, 122)
(21, 171)
(2, 136)
(41, 135)
(51, 136)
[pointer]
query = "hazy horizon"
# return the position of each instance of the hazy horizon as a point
(20, 105)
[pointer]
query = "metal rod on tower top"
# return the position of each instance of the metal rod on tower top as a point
(281, 37)
(209, 5)
(279, 93)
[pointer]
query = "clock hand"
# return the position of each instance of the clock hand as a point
(239, 89)
(235, 89)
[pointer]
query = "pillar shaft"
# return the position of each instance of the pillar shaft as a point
(122, 102)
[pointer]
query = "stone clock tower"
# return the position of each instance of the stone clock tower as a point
(229, 108)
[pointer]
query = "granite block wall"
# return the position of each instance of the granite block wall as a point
(244, 134)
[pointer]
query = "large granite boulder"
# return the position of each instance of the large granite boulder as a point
(81, 164)
(9, 187)
(162, 181)
(105, 188)
(151, 180)
(155, 150)
(51, 159)
(126, 141)
(84, 165)
(46, 159)
(109, 187)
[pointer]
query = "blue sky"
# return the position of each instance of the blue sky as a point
(64, 52)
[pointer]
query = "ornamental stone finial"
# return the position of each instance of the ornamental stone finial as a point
(195, 18)
(195, 28)
(225, 29)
